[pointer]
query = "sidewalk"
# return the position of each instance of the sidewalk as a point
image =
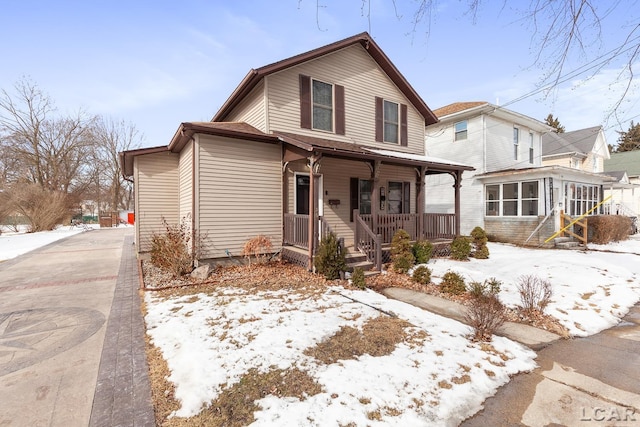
(71, 335)
(123, 390)
(533, 338)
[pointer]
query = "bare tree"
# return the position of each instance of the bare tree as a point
(112, 137)
(50, 151)
(561, 30)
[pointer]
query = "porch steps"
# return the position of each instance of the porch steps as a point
(566, 243)
(357, 259)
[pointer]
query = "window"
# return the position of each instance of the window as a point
(512, 199)
(398, 198)
(516, 141)
(364, 196)
(529, 201)
(322, 106)
(391, 122)
(531, 148)
(493, 200)
(460, 130)
(360, 196)
(581, 198)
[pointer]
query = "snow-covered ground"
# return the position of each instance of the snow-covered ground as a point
(592, 289)
(211, 340)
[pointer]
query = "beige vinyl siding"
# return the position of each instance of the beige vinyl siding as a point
(336, 175)
(240, 187)
(252, 109)
(185, 168)
(157, 195)
(558, 161)
(362, 79)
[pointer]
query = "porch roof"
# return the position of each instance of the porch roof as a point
(348, 150)
(553, 171)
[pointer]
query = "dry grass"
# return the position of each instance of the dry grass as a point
(235, 405)
(379, 337)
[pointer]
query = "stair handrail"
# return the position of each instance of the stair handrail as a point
(542, 222)
(373, 254)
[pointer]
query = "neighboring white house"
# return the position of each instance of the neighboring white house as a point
(511, 194)
(626, 194)
(584, 149)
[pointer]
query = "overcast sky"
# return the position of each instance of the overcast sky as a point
(159, 63)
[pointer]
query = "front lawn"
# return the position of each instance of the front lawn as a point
(274, 345)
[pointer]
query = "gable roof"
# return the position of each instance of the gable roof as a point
(457, 107)
(364, 39)
(463, 110)
(580, 142)
(628, 161)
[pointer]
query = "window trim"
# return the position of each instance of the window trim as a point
(516, 142)
(403, 131)
(499, 203)
(332, 109)
(457, 134)
(531, 151)
(385, 121)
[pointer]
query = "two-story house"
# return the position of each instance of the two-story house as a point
(511, 194)
(584, 149)
(329, 139)
(625, 166)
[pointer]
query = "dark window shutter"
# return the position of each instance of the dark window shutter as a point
(404, 134)
(305, 102)
(353, 197)
(379, 119)
(406, 199)
(339, 109)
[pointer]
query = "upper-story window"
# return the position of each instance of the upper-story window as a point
(460, 130)
(516, 142)
(391, 122)
(322, 106)
(530, 148)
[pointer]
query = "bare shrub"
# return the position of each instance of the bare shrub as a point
(43, 209)
(535, 293)
(259, 246)
(485, 315)
(603, 229)
(176, 249)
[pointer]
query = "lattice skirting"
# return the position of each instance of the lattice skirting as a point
(295, 257)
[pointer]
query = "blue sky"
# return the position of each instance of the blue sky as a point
(159, 63)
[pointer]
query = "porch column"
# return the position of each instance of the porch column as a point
(312, 213)
(420, 189)
(375, 195)
(456, 186)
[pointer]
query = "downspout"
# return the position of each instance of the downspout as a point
(193, 199)
(312, 213)
(456, 186)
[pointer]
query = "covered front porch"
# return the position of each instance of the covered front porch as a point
(361, 194)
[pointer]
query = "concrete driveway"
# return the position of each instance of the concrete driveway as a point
(593, 381)
(71, 335)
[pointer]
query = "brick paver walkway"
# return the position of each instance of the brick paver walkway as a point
(123, 390)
